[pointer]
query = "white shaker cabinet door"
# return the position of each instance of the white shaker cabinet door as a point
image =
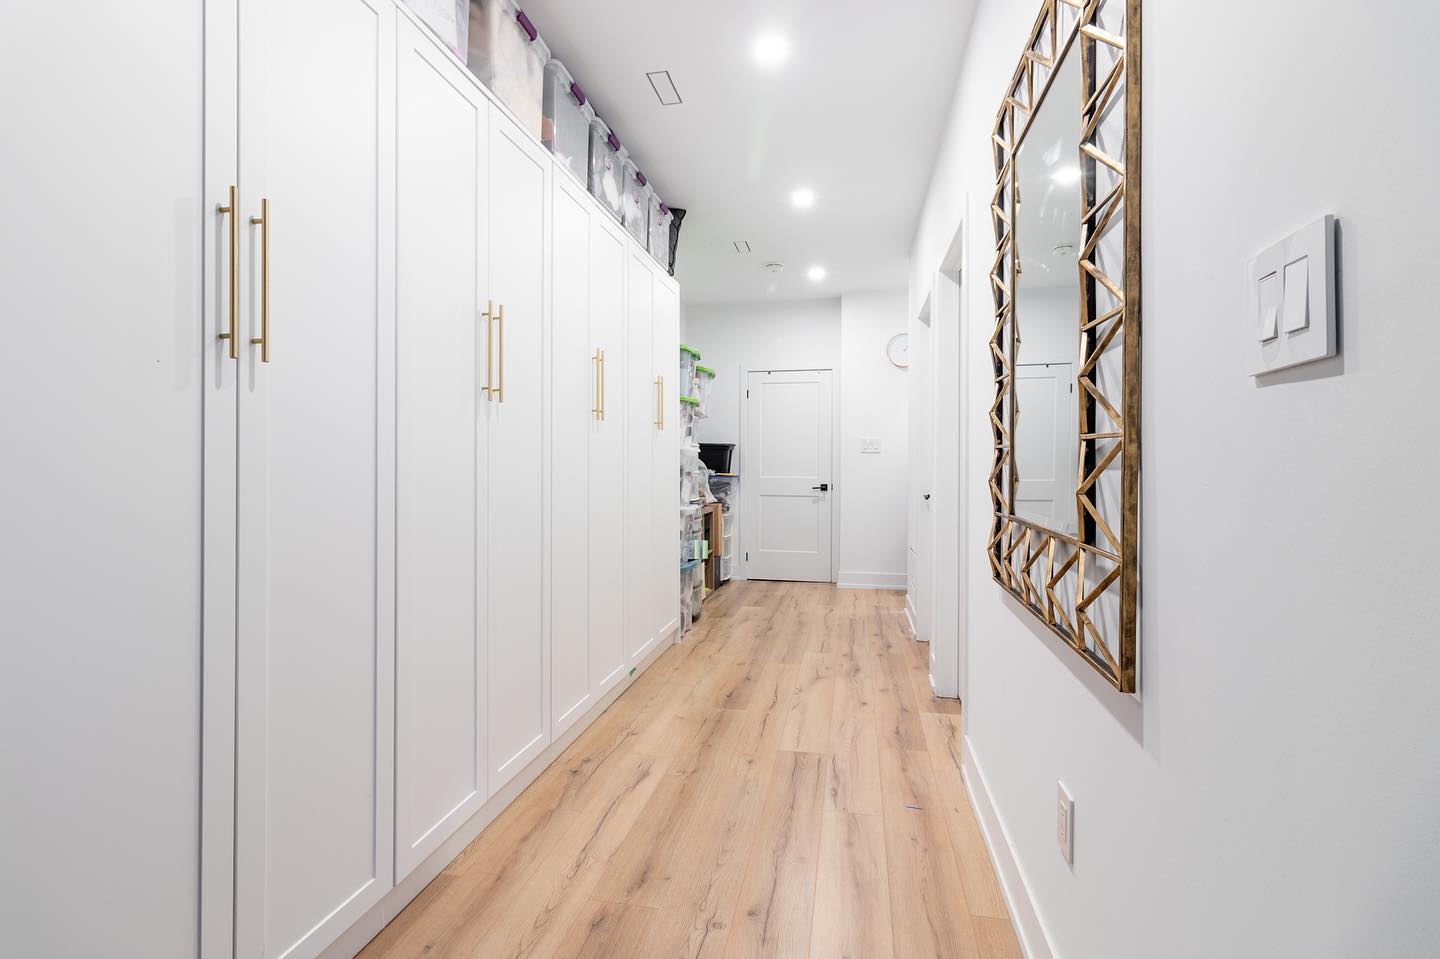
(642, 423)
(605, 482)
(315, 509)
(441, 136)
(576, 405)
(666, 464)
(514, 488)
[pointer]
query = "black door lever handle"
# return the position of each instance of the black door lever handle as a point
(823, 487)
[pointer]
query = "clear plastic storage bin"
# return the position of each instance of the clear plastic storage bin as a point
(607, 168)
(447, 19)
(689, 360)
(660, 231)
(565, 128)
(636, 216)
(507, 55)
(704, 389)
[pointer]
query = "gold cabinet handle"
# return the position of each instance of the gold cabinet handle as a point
(597, 367)
(489, 388)
(230, 209)
(500, 390)
(602, 384)
(263, 222)
(660, 402)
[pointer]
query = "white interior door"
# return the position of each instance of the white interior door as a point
(605, 482)
(1045, 445)
(576, 368)
(787, 464)
(517, 460)
(439, 653)
(316, 465)
(641, 416)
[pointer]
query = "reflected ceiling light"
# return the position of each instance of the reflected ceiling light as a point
(1066, 175)
(770, 49)
(816, 273)
(803, 198)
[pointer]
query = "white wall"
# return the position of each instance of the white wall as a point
(848, 336)
(873, 403)
(1272, 790)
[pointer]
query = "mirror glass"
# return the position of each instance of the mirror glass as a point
(1045, 412)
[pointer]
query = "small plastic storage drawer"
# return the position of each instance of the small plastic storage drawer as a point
(508, 56)
(448, 19)
(660, 231)
(566, 126)
(636, 216)
(607, 168)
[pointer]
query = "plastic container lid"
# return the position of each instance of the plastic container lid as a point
(567, 81)
(691, 350)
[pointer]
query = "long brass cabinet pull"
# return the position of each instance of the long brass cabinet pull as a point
(660, 402)
(602, 384)
(500, 390)
(595, 390)
(263, 222)
(489, 388)
(230, 209)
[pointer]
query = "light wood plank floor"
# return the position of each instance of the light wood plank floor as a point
(780, 784)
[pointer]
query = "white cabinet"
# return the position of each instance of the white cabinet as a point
(442, 215)
(642, 422)
(665, 464)
(513, 464)
(102, 380)
(315, 498)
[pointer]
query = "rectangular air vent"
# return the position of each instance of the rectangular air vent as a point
(664, 87)
(742, 247)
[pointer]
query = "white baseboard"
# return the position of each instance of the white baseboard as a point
(910, 617)
(862, 580)
(368, 926)
(1029, 928)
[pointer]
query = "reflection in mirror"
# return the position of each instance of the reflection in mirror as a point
(1047, 307)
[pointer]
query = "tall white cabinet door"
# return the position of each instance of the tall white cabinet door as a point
(514, 490)
(666, 464)
(101, 379)
(605, 482)
(442, 126)
(642, 423)
(315, 507)
(576, 405)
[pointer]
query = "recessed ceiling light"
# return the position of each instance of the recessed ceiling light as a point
(774, 267)
(816, 273)
(770, 49)
(803, 198)
(1066, 175)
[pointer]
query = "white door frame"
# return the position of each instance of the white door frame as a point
(738, 466)
(949, 318)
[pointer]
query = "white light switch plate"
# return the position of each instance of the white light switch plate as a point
(1065, 823)
(1291, 299)
(869, 444)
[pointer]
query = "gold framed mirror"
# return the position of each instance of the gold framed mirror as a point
(1065, 478)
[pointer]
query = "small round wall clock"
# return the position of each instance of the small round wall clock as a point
(898, 350)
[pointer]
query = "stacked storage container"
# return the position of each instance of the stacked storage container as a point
(567, 116)
(448, 19)
(659, 231)
(704, 389)
(607, 168)
(507, 55)
(637, 195)
(689, 360)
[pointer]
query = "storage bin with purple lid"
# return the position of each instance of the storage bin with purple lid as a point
(506, 54)
(660, 231)
(607, 168)
(448, 19)
(567, 117)
(636, 216)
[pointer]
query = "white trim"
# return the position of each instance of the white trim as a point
(1029, 927)
(857, 580)
(910, 616)
(368, 926)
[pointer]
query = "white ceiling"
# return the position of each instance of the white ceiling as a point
(855, 113)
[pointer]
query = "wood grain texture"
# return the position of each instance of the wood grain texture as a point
(780, 784)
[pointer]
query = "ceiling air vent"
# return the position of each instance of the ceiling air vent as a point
(742, 247)
(664, 87)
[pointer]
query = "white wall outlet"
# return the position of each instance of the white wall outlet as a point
(869, 444)
(1065, 824)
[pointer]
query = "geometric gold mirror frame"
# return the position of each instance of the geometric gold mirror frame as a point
(1065, 478)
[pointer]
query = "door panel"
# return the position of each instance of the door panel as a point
(665, 502)
(788, 457)
(605, 483)
(1046, 449)
(313, 834)
(575, 376)
(641, 416)
(439, 655)
(517, 462)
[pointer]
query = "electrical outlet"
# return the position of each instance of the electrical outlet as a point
(1065, 824)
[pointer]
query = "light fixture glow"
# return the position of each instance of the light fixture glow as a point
(803, 198)
(816, 273)
(770, 49)
(1066, 175)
